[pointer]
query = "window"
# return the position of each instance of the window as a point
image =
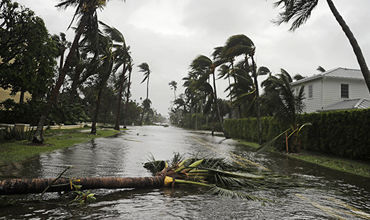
(344, 90)
(310, 91)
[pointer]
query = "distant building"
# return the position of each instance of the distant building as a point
(336, 89)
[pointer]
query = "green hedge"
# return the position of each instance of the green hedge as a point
(340, 133)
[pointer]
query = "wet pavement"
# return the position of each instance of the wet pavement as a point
(310, 192)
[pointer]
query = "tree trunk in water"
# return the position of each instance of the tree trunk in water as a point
(25, 186)
(259, 127)
(116, 126)
(96, 113)
(215, 97)
(53, 96)
(356, 48)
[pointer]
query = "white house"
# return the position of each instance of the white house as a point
(336, 89)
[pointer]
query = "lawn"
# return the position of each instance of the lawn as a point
(17, 151)
(336, 163)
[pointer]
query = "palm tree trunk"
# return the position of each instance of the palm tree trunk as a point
(127, 99)
(96, 113)
(147, 88)
(25, 186)
(215, 98)
(356, 48)
(53, 96)
(21, 97)
(259, 127)
(116, 126)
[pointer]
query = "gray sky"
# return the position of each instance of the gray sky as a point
(169, 34)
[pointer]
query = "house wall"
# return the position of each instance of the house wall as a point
(327, 91)
(315, 103)
(332, 86)
(6, 94)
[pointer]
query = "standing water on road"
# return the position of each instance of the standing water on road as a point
(315, 192)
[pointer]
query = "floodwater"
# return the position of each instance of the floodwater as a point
(309, 192)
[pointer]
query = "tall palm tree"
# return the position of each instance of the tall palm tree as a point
(173, 86)
(144, 68)
(122, 58)
(129, 67)
(86, 11)
(299, 12)
(241, 45)
(104, 71)
(207, 67)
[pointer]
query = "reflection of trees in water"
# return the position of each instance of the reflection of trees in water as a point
(27, 169)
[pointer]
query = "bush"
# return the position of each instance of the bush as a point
(340, 133)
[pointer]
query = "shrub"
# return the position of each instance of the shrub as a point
(340, 133)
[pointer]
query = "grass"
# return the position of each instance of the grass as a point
(332, 162)
(17, 151)
(249, 144)
(341, 164)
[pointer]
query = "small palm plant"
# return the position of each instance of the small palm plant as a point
(288, 105)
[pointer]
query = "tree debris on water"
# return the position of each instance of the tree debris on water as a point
(216, 174)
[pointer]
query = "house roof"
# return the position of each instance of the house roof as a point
(339, 72)
(348, 104)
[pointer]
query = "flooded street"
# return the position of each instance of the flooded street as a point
(315, 193)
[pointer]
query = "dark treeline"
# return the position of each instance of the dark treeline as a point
(87, 79)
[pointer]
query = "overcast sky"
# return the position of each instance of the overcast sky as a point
(169, 34)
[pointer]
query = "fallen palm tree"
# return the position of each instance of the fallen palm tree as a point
(216, 174)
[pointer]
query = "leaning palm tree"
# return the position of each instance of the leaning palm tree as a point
(299, 12)
(122, 58)
(173, 86)
(129, 67)
(86, 11)
(241, 45)
(287, 105)
(207, 67)
(104, 71)
(144, 68)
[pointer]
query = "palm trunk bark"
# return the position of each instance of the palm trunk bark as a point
(116, 126)
(21, 97)
(96, 113)
(26, 186)
(127, 99)
(215, 98)
(259, 127)
(53, 96)
(356, 48)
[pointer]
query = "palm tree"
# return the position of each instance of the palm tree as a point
(122, 59)
(206, 67)
(287, 104)
(86, 11)
(173, 85)
(299, 12)
(144, 68)
(104, 70)
(241, 45)
(129, 67)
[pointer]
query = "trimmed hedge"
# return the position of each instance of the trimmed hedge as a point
(340, 133)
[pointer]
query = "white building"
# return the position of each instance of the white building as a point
(336, 89)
